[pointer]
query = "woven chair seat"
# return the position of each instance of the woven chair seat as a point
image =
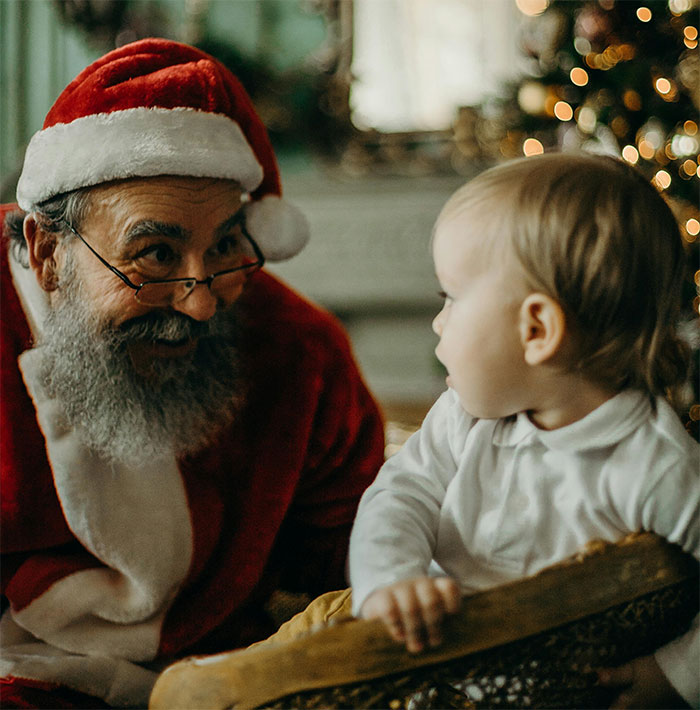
(534, 643)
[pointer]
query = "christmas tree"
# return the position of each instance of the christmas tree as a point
(619, 77)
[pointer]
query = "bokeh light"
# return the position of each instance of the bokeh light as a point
(662, 180)
(563, 111)
(532, 7)
(630, 154)
(692, 226)
(578, 76)
(532, 146)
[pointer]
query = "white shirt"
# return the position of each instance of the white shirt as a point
(488, 501)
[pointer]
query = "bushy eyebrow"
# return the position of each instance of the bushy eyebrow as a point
(150, 227)
(228, 224)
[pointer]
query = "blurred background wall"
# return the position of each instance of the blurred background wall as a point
(379, 109)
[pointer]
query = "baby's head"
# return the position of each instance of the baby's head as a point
(589, 235)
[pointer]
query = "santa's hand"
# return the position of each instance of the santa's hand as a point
(642, 684)
(413, 610)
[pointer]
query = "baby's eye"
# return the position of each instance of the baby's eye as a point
(444, 296)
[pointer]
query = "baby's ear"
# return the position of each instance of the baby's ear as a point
(41, 246)
(542, 327)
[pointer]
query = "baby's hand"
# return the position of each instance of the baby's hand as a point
(642, 685)
(413, 609)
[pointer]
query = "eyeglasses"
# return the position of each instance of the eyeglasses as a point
(164, 292)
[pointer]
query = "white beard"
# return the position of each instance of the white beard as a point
(121, 414)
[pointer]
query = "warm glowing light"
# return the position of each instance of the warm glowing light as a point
(694, 412)
(690, 33)
(582, 46)
(678, 7)
(619, 126)
(532, 7)
(662, 180)
(532, 97)
(586, 119)
(690, 127)
(690, 167)
(690, 43)
(646, 149)
(644, 14)
(654, 136)
(632, 100)
(532, 146)
(692, 226)
(663, 85)
(684, 145)
(630, 154)
(563, 111)
(578, 76)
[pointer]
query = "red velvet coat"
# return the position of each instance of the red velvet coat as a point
(271, 502)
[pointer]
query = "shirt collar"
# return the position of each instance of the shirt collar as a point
(606, 425)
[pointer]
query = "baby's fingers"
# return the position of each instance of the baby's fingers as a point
(433, 606)
(449, 591)
(411, 617)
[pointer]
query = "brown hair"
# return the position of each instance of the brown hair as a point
(595, 235)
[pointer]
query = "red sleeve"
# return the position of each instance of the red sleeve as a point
(343, 453)
(31, 515)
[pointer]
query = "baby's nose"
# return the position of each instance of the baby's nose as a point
(437, 324)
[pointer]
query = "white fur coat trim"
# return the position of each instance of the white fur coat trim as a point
(134, 519)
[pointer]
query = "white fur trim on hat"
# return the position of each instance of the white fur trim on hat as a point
(137, 142)
(279, 228)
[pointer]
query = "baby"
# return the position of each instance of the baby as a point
(561, 278)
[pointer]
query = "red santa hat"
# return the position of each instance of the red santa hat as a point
(158, 107)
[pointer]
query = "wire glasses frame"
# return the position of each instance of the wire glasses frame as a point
(162, 292)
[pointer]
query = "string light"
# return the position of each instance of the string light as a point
(692, 226)
(578, 76)
(563, 111)
(646, 149)
(662, 85)
(630, 154)
(532, 7)
(662, 180)
(684, 145)
(632, 100)
(689, 167)
(586, 119)
(690, 127)
(532, 146)
(678, 7)
(644, 14)
(690, 37)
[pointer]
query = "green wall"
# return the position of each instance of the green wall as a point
(39, 54)
(38, 57)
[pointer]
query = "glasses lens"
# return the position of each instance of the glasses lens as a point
(164, 293)
(230, 282)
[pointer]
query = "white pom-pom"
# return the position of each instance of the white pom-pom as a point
(279, 228)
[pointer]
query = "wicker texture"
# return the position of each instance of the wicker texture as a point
(553, 669)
